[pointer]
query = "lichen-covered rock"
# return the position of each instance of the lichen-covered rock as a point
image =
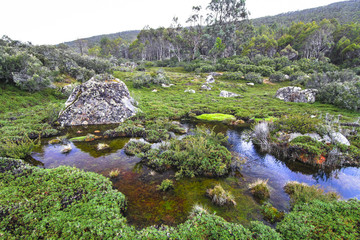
(206, 87)
(295, 94)
(210, 79)
(190, 91)
(227, 94)
(101, 100)
(337, 137)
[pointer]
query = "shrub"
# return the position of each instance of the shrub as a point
(277, 77)
(299, 78)
(200, 154)
(271, 214)
(297, 123)
(260, 189)
(207, 68)
(165, 185)
(136, 147)
(254, 77)
(233, 75)
(322, 220)
(310, 146)
(219, 196)
(18, 148)
(301, 193)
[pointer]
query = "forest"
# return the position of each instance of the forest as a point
(226, 128)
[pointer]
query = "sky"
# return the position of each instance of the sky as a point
(57, 21)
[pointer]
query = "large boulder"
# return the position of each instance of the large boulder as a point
(295, 94)
(101, 100)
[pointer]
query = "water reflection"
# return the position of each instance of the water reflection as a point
(148, 206)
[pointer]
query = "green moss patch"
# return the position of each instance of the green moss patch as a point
(218, 117)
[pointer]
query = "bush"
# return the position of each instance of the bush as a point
(271, 214)
(145, 79)
(19, 147)
(135, 147)
(277, 77)
(299, 78)
(165, 185)
(233, 75)
(207, 68)
(297, 123)
(254, 77)
(200, 154)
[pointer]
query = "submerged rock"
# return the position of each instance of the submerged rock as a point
(66, 149)
(102, 146)
(295, 94)
(101, 100)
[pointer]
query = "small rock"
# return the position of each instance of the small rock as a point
(102, 146)
(166, 86)
(286, 77)
(227, 94)
(337, 137)
(155, 90)
(190, 91)
(214, 74)
(206, 87)
(97, 131)
(54, 141)
(210, 79)
(78, 132)
(66, 149)
(250, 84)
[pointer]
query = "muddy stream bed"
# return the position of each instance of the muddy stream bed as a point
(148, 206)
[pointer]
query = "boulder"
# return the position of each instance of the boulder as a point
(295, 94)
(101, 100)
(250, 84)
(210, 79)
(227, 94)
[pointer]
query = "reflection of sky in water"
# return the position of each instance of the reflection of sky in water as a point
(85, 156)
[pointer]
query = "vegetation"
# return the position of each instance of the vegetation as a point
(203, 153)
(114, 173)
(136, 147)
(260, 189)
(219, 196)
(165, 185)
(218, 117)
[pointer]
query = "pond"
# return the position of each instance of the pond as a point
(148, 206)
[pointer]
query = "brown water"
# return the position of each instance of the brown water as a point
(148, 206)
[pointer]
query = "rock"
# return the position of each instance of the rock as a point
(210, 79)
(190, 91)
(101, 100)
(66, 149)
(292, 136)
(166, 86)
(227, 94)
(102, 146)
(295, 94)
(250, 84)
(337, 137)
(97, 131)
(206, 87)
(154, 90)
(287, 77)
(55, 141)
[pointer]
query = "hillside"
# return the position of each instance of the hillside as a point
(126, 35)
(347, 11)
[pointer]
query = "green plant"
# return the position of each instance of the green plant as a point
(271, 214)
(136, 147)
(260, 189)
(297, 123)
(277, 77)
(114, 173)
(19, 147)
(219, 196)
(254, 77)
(165, 185)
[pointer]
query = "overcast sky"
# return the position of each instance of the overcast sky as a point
(56, 21)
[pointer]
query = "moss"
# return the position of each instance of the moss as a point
(260, 189)
(165, 185)
(135, 147)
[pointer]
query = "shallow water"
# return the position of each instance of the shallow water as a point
(148, 206)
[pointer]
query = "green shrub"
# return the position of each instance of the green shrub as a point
(136, 147)
(207, 68)
(19, 147)
(277, 77)
(233, 75)
(271, 214)
(310, 146)
(254, 77)
(200, 154)
(322, 220)
(297, 123)
(165, 185)
(301, 193)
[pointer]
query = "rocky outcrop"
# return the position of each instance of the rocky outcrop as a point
(101, 100)
(227, 94)
(295, 94)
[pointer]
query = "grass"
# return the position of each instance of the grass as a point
(257, 102)
(260, 189)
(217, 117)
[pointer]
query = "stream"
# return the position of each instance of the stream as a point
(147, 206)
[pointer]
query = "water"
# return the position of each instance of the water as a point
(148, 206)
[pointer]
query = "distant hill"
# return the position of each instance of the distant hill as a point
(347, 11)
(126, 35)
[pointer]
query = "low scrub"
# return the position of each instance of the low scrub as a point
(260, 189)
(165, 185)
(135, 147)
